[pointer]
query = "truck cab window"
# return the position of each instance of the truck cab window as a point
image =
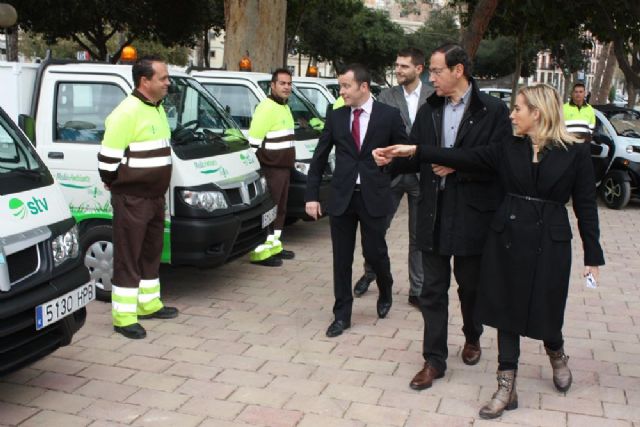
(238, 100)
(81, 109)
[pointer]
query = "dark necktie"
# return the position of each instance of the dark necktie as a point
(355, 127)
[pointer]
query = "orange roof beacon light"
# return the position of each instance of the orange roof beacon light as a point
(129, 54)
(245, 63)
(312, 71)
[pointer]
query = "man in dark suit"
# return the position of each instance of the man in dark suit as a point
(360, 193)
(408, 96)
(455, 208)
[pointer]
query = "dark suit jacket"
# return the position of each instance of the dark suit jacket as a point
(385, 128)
(455, 221)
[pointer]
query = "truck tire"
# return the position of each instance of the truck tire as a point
(97, 247)
(615, 189)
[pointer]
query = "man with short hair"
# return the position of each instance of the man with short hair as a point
(455, 207)
(579, 116)
(271, 135)
(361, 192)
(135, 165)
(408, 96)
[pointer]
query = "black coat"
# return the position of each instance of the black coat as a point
(455, 221)
(385, 128)
(527, 256)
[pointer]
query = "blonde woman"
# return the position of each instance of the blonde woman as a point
(527, 257)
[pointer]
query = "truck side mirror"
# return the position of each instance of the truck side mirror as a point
(28, 126)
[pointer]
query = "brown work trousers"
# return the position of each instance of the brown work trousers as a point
(278, 184)
(138, 232)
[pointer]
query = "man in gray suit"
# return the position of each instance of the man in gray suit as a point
(408, 96)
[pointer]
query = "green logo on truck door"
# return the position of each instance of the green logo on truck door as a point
(35, 206)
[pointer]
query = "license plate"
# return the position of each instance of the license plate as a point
(269, 216)
(52, 311)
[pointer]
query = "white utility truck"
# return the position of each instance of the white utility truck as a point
(240, 92)
(44, 286)
(217, 205)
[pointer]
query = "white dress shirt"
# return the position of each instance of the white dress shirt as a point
(364, 122)
(412, 100)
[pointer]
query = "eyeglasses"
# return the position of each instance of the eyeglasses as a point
(437, 71)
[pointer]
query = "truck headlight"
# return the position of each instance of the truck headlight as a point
(263, 183)
(207, 200)
(65, 246)
(302, 167)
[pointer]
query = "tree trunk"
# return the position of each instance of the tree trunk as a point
(256, 27)
(11, 40)
(517, 72)
(482, 14)
(631, 95)
(597, 77)
(568, 82)
(607, 76)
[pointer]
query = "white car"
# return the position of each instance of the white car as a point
(504, 94)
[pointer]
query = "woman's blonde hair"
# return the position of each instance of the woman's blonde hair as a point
(551, 126)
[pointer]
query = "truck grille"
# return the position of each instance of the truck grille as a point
(23, 264)
(245, 193)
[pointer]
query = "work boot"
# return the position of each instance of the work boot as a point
(505, 398)
(134, 331)
(561, 373)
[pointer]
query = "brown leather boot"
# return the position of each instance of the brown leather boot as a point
(505, 398)
(562, 377)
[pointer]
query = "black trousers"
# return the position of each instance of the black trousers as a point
(509, 348)
(374, 248)
(434, 302)
(410, 184)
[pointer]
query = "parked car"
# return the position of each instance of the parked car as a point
(504, 94)
(615, 151)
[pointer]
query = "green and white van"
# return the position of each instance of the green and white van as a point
(44, 286)
(217, 204)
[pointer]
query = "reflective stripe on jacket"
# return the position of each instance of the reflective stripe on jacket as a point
(272, 135)
(135, 156)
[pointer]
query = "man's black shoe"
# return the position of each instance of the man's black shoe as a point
(414, 301)
(285, 254)
(383, 307)
(272, 261)
(134, 332)
(163, 313)
(337, 327)
(362, 285)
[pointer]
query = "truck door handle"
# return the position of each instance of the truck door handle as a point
(56, 155)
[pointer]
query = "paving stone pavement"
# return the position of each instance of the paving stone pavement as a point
(249, 350)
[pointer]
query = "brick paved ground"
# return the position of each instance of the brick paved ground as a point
(249, 350)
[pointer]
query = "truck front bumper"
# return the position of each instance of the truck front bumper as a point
(210, 242)
(20, 343)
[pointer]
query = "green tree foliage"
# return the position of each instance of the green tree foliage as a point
(93, 24)
(440, 28)
(343, 31)
(496, 57)
(35, 46)
(617, 21)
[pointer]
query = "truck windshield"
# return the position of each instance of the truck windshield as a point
(199, 125)
(307, 121)
(20, 167)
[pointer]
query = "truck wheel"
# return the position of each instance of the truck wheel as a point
(615, 189)
(97, 247)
